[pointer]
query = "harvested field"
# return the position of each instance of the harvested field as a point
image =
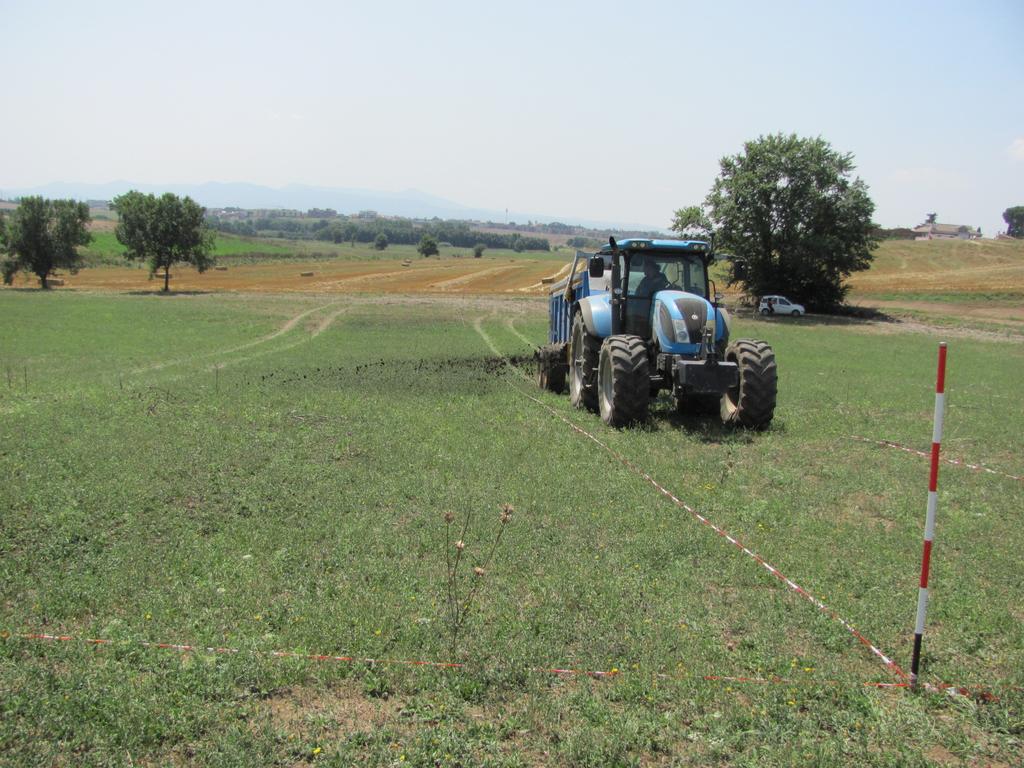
(944, 267)
(465, 276)
(917, 275)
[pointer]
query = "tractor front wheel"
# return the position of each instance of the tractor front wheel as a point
(623, 380)
(584, 351)
(751, 402)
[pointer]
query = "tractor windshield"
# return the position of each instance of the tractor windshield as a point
(649, 273)
(652, 272)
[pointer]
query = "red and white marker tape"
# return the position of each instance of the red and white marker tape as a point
(891, 665)
(929, 524)
(556, 671)
(924, 454)
(982, 692)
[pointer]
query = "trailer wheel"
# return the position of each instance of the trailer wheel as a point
(751, 403)
(623, 380)
(584, 351)
(552, 368)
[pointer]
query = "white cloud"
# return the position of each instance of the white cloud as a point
(1017, 149)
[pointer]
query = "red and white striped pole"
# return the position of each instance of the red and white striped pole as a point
(929, 525)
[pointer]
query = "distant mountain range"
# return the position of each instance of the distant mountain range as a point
(410, 203)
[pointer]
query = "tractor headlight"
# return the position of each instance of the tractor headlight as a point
(680, 332)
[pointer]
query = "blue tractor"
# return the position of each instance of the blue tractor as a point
(641, 318)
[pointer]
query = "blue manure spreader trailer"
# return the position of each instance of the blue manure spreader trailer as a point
(639, 317)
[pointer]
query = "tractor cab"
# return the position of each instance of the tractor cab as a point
(641, 269)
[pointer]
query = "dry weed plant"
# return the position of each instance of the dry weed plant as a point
(459, 596)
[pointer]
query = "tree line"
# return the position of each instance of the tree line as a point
(787, 210)
(397, 231)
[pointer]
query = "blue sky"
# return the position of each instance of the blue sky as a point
(595, 110)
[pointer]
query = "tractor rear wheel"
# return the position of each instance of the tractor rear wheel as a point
(751, 402)
(551, 368)
(623, 380)
(584, 351)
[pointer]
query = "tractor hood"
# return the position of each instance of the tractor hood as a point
(677, 320)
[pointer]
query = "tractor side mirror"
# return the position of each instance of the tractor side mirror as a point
(597, 267)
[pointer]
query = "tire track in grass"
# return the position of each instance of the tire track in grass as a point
(891, 665)
(510, 324)
(124, 378)
(322, 326)
(288, 326)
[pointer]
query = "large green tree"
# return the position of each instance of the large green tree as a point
(42, 236)
(1014, 218)
(427, 246)
(164, 230)
(692, 223)
(792, 217)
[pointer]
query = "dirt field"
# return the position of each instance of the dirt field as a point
(446, 276)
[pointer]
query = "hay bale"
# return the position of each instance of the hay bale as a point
(55, 282)
(221, 269)
(305, 274)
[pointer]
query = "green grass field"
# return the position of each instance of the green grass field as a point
(105, 249)
(230, 249)
(272, 473)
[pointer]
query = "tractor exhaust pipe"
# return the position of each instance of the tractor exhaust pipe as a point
(617, 298)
